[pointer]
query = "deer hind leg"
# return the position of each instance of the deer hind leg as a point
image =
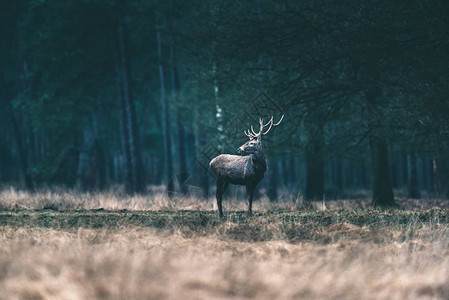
(221, 188)
(250, 192)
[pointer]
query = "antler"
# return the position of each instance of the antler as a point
(249, 134)
(253, 134)
(272, 125)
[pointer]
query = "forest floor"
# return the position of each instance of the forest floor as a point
(80, 246)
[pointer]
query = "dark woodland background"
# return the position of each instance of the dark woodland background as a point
(98, 93)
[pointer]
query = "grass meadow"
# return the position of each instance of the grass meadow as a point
(60, 244)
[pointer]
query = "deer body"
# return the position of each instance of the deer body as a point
(239, 170)
(247, 170)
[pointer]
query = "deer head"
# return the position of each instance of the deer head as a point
(255, 143)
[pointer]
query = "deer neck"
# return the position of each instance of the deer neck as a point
(258, 158)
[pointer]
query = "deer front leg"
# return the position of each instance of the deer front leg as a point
(221, 187)
(250, 192)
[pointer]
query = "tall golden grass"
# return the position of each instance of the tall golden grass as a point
(140, 263)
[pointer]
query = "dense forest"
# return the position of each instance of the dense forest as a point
(142, 94)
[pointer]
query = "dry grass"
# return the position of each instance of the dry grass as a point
(115, 199)
(156, 199)
(140, 263)
(325, 254)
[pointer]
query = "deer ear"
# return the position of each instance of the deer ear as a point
(259, 138)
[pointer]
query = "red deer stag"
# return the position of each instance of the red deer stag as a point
(245, 170)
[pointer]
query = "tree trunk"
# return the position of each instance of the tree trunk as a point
(26, 91)
(272, 192)
(380, 169)
(436, 178)
(404, 170)
(16, 132)
(135, 177)
(182, 175)
(102, 174)
(413, 187)
(218, 109)
(22, 155)
(381, 183)
(84, 161)
(339, 176)
(168, 163)
(201, 169)
(315, 163)
(19, 133)
(292, 171)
